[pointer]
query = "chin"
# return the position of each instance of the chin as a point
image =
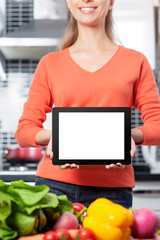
(89, 22)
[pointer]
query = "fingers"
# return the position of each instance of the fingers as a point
(69, 166)
(49, 154)
(114, 166)
(133, 152)
(133, 148)
(49, 151)
(119, 165)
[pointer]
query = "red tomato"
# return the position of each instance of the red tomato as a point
(86, 234)
(77, 207)
(50, 235)
(63, 233)
(80, 226)
(57, 235)
(84, 214)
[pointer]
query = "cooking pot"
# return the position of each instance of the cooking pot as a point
(23, 155)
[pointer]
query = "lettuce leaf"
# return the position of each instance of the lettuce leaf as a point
(6, 233)
(5, 207)
(49, 200)
(27, 210)
(42, 220)
(64, 204)
(23, 224)
(29, 195)
(2, 183)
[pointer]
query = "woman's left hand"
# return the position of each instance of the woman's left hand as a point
(133, 148)
(119, 165)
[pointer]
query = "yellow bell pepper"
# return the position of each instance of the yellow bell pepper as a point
(108, 220)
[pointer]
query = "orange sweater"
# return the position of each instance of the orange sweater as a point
(126, 80)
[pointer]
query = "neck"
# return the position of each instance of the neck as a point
(92, 38)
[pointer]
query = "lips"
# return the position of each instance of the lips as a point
(87, 9)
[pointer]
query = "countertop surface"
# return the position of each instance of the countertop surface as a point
(143, 180)
(27, 176)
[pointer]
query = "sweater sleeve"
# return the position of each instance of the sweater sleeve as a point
(39, 103)
(147, 100)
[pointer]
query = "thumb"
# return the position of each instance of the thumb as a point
(48, 153)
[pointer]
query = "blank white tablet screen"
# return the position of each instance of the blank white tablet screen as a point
(91, 135)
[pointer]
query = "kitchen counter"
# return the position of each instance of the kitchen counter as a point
(29, 176)
(141, 176)
(146, 192)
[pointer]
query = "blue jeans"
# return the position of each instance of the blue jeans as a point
(87, 194)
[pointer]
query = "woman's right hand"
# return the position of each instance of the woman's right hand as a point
(69, 166)
(44, 138)
(49, 151)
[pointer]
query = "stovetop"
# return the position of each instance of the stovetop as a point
(20, 167)
(27, 172)
(14, 172)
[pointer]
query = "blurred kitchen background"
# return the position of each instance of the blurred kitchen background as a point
(30, 29)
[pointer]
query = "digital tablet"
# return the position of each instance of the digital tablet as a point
(91, 135)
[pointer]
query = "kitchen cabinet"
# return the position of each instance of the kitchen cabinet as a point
(135, 26)
(33, 40)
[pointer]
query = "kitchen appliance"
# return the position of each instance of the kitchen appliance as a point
(20, 155)
(22, 158)
(33, 40)
(31, 28)
(17, 163)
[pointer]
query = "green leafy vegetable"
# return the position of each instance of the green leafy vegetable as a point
(2, 183)
(49, 200)
(6, 233)
(42, 220)
(27, 210)
(64, 205)
(23, 224)
(5, 207)
(29, 195)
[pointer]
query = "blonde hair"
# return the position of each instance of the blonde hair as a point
(71, 32)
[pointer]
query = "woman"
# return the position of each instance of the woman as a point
(90, 70)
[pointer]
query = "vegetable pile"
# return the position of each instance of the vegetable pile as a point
(76, 234)
(27, 210)
(31, 210)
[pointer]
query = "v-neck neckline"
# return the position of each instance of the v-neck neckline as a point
(99, 69)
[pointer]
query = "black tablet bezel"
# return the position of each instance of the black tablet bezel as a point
(55, 135)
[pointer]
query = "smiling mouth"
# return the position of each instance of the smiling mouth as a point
(87, 9)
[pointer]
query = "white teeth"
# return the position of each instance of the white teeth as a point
(88, 9)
